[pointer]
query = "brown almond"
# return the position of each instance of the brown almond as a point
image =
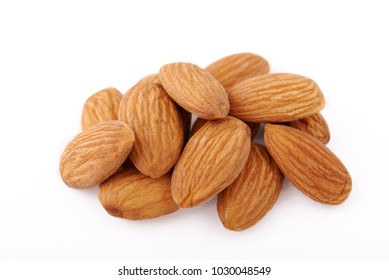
(233, 69)
(275, 98)
(150, 79)
(195, 90)
(95, 154)
(101, 106)
(156, 121)
(199, 122)
(132, 195)
(314, 125)
(308, 164)
(243, 203)
(185, 115)
(210, 161)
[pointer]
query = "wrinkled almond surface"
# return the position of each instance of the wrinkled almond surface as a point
(198, 123)
(132, 195)
(308, 164)
(95, 154)
(233, 69)
(101, 106)
(210, 161)
(156, 121)
(150, 79)
(253, 193)
(195, 90)
(314, 125)
(275, 98)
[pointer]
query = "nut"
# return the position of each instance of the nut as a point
(253, 193)
(210, 161)
(101, 106)
(95, 154)
(195, 90)
(132, 195)
(157, 124)
(275, 98)
(308, 164)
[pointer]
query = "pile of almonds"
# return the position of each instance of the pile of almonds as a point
(148, 161)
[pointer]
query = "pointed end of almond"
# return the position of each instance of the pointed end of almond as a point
(345, 193)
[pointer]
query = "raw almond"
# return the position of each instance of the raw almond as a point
(150, 79)
(233, 69)
(253, 193)
(156, 121)
(275, 98)
(95, 154)
(101, 106)
(308, 164)
(210, 161)
(199, 122)
(132, 195)
(314, 125)
(195, 90)
(185, 115)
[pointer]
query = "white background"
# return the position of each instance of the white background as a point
(54, 54)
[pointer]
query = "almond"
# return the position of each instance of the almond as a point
(132, 195)
(254, 127)
(101, 106)
(314, 125)
(210, 161)
(308, 164)
(253, 193)
(195, 90)
(185, 115)
(156, 121)
(150, 79)
(95, 154)
(275, 98)
(233, 69)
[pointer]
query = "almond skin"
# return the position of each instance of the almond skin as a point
(185, 115)
(308, 164)
(150, 79)
(95, 154)
(314, 125)
(233, 69)
(195, 90)
(156, 121)
(198, 123)
(210, 161)
(275, 98)
(243, 203)
(101, 106)
(132, 195)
